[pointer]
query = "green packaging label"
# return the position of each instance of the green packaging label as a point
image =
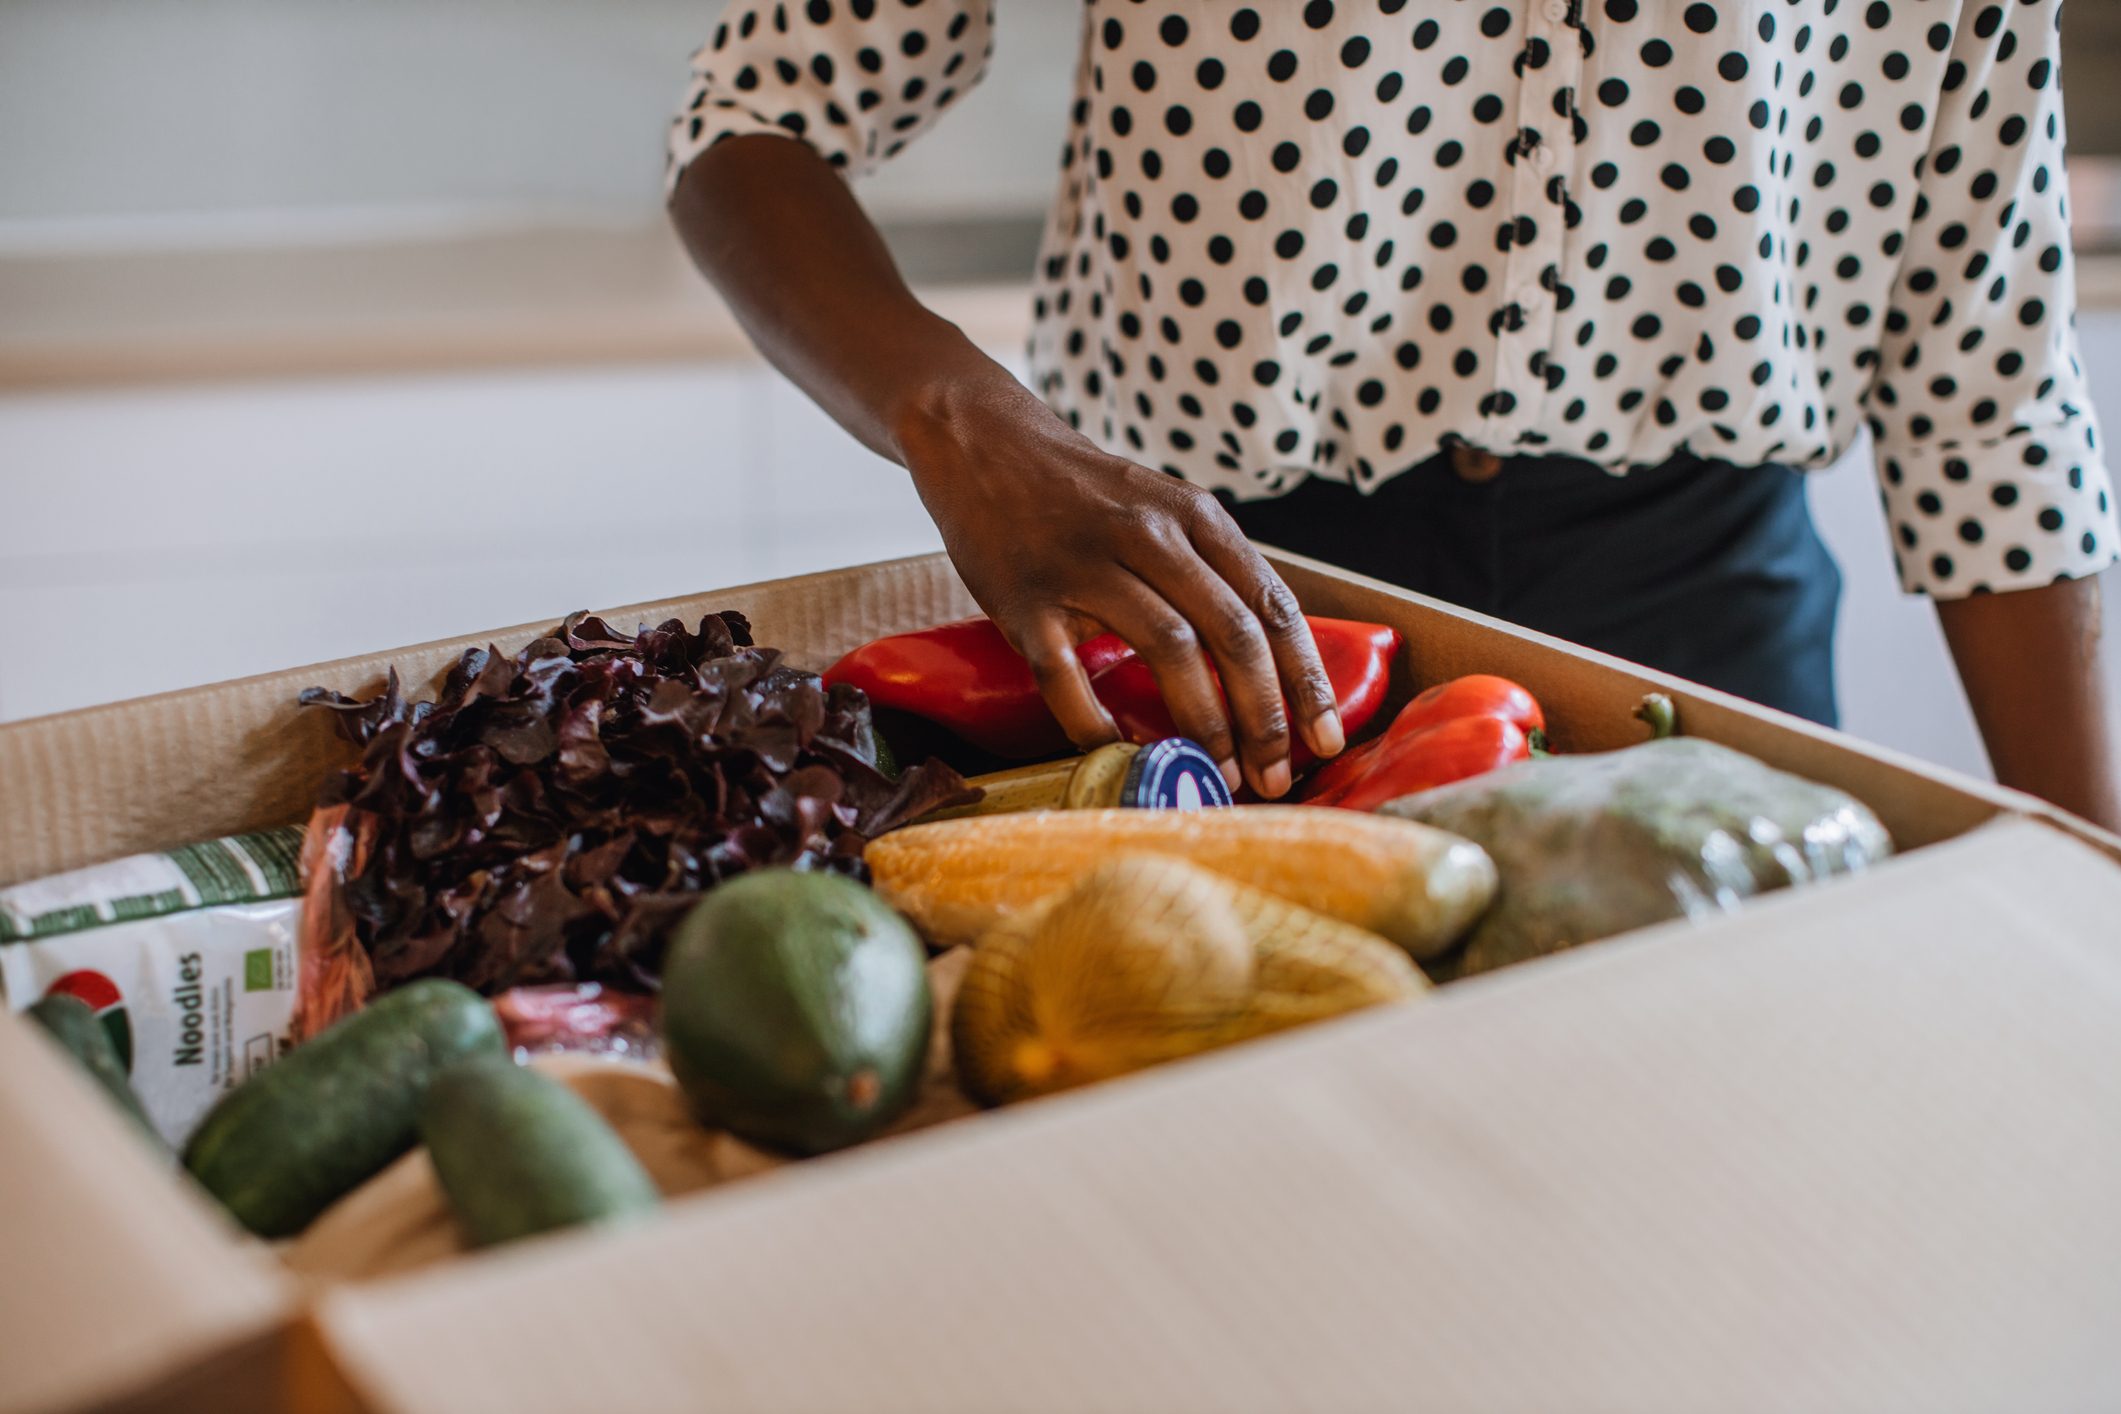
(257, 970)
(240, 869)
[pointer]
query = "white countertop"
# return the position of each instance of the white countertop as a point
(506, 299)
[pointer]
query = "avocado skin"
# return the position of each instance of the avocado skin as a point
(796, 1010)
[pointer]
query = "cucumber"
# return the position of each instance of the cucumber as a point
(281, 1148)
(519, 1153)
(796, 1010)
(73, 1024)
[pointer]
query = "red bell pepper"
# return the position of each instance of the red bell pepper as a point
(1357, 658)
(1456, 729)
(965, 677)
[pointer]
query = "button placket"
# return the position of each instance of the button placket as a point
(1544, 147)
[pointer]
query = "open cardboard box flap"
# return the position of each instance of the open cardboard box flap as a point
(1851, 1149)
(112, 1274)
(1637, 1174)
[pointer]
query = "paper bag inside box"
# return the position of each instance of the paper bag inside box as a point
(1839, 1148)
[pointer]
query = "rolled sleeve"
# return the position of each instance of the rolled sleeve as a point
(855, 79)
(1988, 450)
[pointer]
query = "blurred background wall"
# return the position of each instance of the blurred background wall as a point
(328, 117)
(329, 325)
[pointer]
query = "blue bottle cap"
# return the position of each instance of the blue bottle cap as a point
(1173, 774)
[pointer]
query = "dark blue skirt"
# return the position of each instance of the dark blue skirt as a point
(1710, 572)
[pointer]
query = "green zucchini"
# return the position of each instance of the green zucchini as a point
(284, 1146)
(519, 1153)
(73, 1024)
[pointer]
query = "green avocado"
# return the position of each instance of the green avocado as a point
(796, 1010)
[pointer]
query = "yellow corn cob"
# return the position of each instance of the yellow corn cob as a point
(1148, 959)
(1419, 887)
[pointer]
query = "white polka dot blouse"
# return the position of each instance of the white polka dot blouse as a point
(1324, 239)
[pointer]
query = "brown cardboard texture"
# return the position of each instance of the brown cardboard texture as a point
(114, 1273)
(1465, 1169)
(1853, 1149)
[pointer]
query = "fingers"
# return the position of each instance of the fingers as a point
(1162, 565)
(1166, 640)
(1250, 684)
(1303, 680)
(1047, 646)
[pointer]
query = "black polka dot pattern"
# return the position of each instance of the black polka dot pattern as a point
(1326, 238)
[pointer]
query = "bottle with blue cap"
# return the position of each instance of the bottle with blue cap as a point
(1172, 774)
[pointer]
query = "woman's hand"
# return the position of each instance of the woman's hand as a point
(1058, 540)
(1055, 538)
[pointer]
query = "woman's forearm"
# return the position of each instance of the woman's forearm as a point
(805, 272)
(2031, 664)
(1054, 537)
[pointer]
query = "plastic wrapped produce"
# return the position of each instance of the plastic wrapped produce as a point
(1595, 845)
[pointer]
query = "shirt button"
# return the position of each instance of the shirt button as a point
(1557, 11)
(1543, 157)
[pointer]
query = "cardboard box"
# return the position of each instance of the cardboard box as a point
(1852, 1148)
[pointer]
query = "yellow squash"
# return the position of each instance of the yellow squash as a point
(1420, 887)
